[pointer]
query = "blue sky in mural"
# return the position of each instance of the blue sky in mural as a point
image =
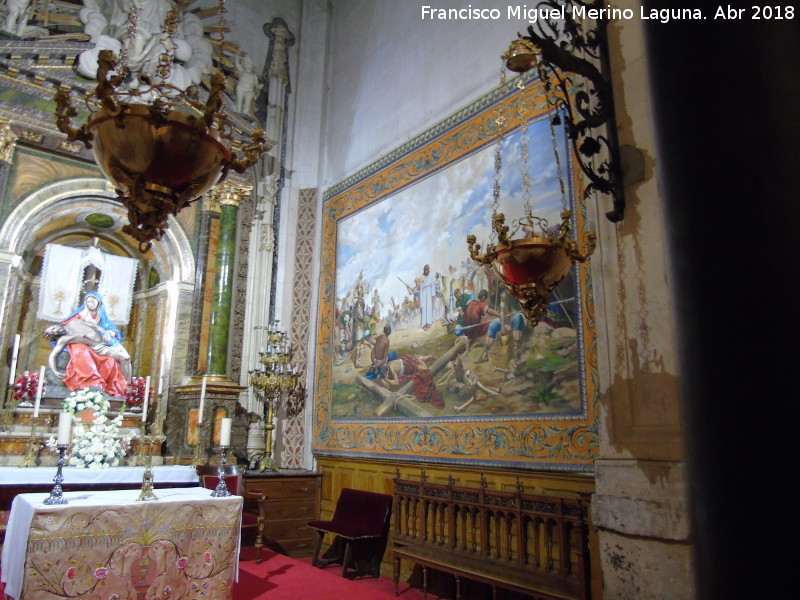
(427, 223)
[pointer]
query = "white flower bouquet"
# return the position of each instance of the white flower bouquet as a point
(86, 400)
(98, 445)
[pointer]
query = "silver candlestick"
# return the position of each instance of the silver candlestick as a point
(222, 488)
(56, 495)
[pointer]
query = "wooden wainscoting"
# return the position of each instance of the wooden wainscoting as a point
(377, 476)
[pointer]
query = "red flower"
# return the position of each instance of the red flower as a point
(71, 573)
(207, 557)
(134, 391)
(25, 387)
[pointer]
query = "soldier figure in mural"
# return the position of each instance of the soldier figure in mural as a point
(96, 356)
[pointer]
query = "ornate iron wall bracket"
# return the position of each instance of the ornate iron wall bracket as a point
(558, 48)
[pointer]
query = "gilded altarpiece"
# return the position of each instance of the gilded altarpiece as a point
(394, 258)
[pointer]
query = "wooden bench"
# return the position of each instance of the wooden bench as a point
(534, 545)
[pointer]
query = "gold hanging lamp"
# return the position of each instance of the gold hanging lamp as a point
(158, 144)
(532, 265)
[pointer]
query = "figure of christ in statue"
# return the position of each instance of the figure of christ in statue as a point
(96, 356)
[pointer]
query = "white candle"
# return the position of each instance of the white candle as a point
(14, 355)
(64, 428)
(160, 384)
(202, 401)
(38, 393)
(225, 432)
(146, 398)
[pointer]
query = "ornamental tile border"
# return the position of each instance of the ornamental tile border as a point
(293, 433)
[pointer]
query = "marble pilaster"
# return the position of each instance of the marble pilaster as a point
(223, 282)
(196, 321)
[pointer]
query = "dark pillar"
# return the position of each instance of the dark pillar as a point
(727, 112)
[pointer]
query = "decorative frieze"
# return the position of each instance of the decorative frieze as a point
(31, 136)
(74, 147)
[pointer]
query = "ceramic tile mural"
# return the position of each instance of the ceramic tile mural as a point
(396, 271)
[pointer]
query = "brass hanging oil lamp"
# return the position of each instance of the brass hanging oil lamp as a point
(159, 145)
(532, 258)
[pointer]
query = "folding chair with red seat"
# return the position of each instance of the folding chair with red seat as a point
(361, 524)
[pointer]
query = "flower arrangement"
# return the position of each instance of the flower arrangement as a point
(25, 387)
(134, 392)
(100, 444)
(86, 400)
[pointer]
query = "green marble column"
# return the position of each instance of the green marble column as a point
(229, 200)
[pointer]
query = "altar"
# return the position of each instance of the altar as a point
(106, 544)
(112, 476)
(14, 480)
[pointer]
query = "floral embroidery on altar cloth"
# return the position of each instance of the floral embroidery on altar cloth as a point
(134, 551)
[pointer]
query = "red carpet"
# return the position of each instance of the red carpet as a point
(279, 577)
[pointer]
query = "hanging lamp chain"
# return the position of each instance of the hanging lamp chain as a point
(531, 225)
(500, 121)
(222, 24)
(130, 35)
(165, 58)
(552, 118)
(525, 150)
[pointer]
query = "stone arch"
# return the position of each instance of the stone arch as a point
(172, 254)
(55, 211)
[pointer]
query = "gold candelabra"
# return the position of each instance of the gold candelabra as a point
(7, 412)
(199, 457)
(147, 445)
(32, 448)
(273, 379)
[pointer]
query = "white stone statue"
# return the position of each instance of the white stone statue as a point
(247, 86)
(16, 16)
(200, 62)
(106, 22)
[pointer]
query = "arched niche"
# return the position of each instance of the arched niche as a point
(74, 212)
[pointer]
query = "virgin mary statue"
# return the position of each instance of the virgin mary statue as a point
(96, 356)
